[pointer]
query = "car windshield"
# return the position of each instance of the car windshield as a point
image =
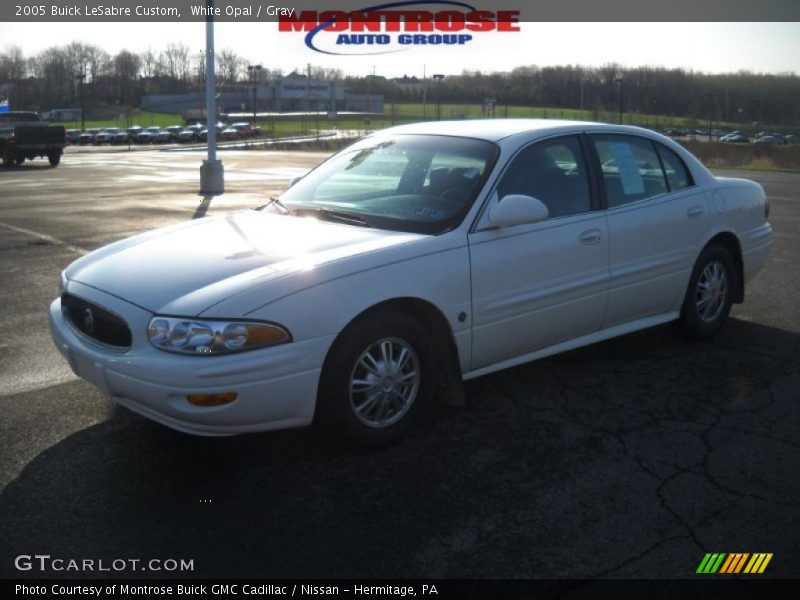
(415, 183)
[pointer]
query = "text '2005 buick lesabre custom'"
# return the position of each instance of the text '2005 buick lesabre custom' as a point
(419, 253)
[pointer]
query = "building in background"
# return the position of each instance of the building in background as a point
(289, 94)
(62, 114)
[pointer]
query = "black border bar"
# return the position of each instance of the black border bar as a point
(529, 10)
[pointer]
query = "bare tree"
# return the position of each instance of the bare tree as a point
(230, 66)
(126, 70)
(176, 61)
(149, 62)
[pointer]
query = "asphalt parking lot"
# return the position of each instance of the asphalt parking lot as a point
(629, 458)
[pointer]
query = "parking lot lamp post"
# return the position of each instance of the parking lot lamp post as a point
(81, 77)
(711, 98)
(254, 69)
(438, 77)
(212, 173)
(621, 83)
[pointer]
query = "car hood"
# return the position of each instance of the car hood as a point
(186, 268)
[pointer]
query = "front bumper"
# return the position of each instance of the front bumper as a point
(276, 387)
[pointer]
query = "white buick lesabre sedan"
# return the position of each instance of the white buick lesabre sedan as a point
(419, 253)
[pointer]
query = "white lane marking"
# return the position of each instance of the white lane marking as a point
(48, 238)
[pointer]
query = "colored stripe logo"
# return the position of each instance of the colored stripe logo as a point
(734, 563)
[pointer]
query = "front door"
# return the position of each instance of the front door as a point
(539, 284)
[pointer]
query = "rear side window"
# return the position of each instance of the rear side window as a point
(630, 167)
(678, 176)
(552, 171)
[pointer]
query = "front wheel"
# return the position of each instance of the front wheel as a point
(376, 380)
(709, 295)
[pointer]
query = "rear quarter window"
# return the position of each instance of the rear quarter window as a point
(678, 176)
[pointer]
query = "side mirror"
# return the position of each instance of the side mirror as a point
(517, 209)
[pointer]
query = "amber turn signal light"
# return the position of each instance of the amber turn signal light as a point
(211, 399)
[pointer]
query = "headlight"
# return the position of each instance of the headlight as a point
(190, 336)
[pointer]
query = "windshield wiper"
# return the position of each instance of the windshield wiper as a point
(276, 201)
(332, 215)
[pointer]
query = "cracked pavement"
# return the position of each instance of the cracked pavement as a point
(628, 458)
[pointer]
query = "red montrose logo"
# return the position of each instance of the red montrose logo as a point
(336, 32)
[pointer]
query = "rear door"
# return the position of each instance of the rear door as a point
(656, 218)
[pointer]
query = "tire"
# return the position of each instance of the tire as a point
(365, 399)
(8, 160)
(708, 298)
(19, 159)
(54, 158)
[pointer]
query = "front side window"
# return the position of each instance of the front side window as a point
(552, 171)
(630, 167)
(416, 183)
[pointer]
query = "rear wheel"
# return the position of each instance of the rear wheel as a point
(376, 380)
(54, 157)
(709, 296)
(19, 159)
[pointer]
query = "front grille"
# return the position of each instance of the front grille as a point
(96, 322)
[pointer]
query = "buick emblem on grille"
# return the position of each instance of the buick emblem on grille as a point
(88, 320)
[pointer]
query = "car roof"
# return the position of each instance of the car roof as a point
(494, 130)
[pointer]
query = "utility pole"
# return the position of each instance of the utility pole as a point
(711, 98)
(424, 95)
(254, 70)
(438, 77)
(80, 77)
(621, 82)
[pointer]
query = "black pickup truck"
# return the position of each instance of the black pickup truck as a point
(23, 135)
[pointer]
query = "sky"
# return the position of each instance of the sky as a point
(706, 47)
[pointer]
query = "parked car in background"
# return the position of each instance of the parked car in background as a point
(106, 135)
(191, 133)
(148, 135)
(73, 135)
(230, 133)
(792, 138)
(87, 137)
(174, 130)
(187, 136)
(735, 138)
(121, 137)
(203, 135)
(774, 140)
(246, 130)
(418, 256)
(162, 137)
(134, 131)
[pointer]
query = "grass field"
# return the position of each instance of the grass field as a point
(405, 113)
(762, 157)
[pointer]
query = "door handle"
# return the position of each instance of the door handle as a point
(695, 211)
(590, 237)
